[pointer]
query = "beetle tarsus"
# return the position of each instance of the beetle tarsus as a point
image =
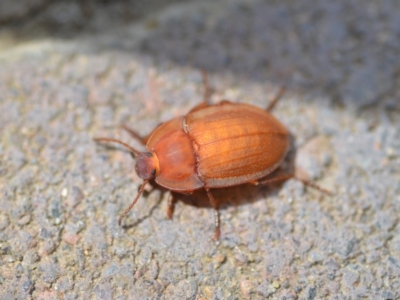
(315, 186)
(214, 204)
(217, 233)
(171, 206)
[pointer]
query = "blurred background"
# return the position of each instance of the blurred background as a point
(306, 43)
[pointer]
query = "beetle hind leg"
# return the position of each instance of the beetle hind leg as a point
(289, 176)
(279, 178)
(314, 186)
(275, 100)
(217, 220)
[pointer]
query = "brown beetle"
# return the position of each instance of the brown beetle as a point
(213, 146)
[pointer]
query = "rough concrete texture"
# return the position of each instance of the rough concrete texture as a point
(62, 194)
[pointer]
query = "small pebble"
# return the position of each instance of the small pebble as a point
(276, 284)
(64, 192)
(246, 287)
(24, 220)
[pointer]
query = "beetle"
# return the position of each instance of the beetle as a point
(213, 146)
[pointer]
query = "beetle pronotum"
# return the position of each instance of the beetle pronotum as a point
(213, 146)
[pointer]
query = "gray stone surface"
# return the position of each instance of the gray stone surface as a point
(62, 194)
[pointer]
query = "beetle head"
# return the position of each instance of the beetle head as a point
(147, 165)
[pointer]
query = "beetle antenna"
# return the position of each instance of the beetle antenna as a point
(133, 150)
(133, 202)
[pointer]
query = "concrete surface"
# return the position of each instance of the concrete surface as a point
(61, 194)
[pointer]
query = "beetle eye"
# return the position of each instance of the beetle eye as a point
(153, 172)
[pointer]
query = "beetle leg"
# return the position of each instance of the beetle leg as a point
(314, 186)
(137, 136)
(199, 106)
(289, 176)
(214, 204)
(274, 179)
(276, 98)
(207, 90)
(171, 205)
(206, 94)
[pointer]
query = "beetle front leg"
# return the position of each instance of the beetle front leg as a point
(135, 135)
(214, 204)
(171, 205)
